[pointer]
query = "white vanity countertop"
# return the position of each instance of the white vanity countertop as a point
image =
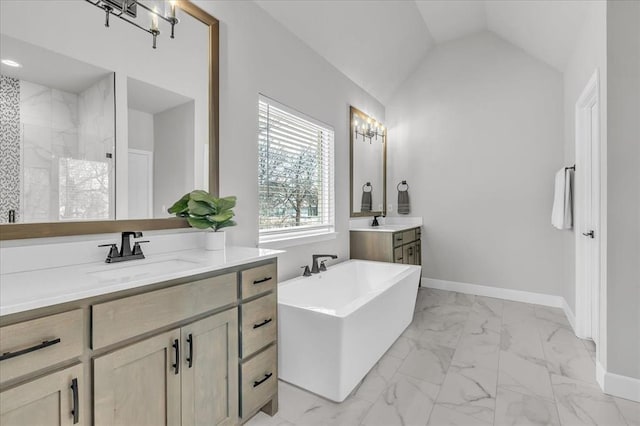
(384, 228)
(23, 291)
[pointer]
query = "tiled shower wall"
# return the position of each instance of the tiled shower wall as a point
(47, 132)
(9, 147)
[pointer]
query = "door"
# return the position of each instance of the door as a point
(587, 211)
(210, 370)
(140, 187)
(54, 399)
(139, 384)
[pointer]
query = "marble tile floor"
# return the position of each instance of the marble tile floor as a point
(471, 360)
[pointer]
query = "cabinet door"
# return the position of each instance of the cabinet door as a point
(54, 399)
(139, 384)
(210, 370)
(418, 256)
(409, 254)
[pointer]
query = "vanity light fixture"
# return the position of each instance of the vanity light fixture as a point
(126, 9)
(370, 129)
(11, 63)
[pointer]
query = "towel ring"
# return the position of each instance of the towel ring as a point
(369, 185)
(404, 182)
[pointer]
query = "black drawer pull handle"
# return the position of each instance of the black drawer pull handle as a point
(190, 356)
(263, 323)
(264, 280)
(45, 344)
(176, 346)
(399, 258)
(261, 381)
(75, 412)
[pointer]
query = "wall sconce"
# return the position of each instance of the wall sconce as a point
(123, 8)
(369, 130)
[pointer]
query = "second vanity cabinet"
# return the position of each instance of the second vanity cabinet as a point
(198, 350)
(400, 246)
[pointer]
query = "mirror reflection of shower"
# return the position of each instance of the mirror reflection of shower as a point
(58, 140)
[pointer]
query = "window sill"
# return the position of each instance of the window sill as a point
(292, 240)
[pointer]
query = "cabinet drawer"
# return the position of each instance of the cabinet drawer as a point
(259, 280)
(397, 239)
(259, 381)
(397, 255)
(418, 233)
(259, 323)
(409, 236)
(131, 316)
(32, 345)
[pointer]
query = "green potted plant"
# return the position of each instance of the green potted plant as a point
(204, 211)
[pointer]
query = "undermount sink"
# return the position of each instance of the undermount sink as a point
(145, 269)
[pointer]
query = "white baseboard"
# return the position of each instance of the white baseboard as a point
(569, 314)
(496, 292)
(617, 385)
(610, 383)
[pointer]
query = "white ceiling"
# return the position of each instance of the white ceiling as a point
(62, 72)
(151, 99)
(379, 43)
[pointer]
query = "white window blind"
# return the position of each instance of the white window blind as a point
(295, 173)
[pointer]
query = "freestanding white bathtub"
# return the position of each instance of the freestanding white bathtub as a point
(334, 326)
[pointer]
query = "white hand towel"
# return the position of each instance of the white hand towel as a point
(562, 214)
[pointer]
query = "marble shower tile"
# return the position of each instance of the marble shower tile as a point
(471, 391)
(517, 409)
(444, 416)
(522, 338)
(524, 376)
(378, 379)
(406, 401)
(630, 410)
(584, 404)
(427, 362)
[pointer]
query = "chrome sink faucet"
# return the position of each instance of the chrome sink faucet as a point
(314, 266)
(126, 252)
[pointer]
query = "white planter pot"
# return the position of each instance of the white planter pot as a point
(214, 240)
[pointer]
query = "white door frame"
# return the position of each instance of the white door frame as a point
(587, 211)
(149, 156)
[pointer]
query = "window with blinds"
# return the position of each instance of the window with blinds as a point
(295, 173)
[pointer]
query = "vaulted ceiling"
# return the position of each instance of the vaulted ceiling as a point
(379, 43)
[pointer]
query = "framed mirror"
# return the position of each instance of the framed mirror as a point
(101, 130)
(368, 171)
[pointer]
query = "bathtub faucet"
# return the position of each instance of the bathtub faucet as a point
(314, 266)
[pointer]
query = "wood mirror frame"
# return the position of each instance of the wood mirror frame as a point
(356, 113)
(16, 231)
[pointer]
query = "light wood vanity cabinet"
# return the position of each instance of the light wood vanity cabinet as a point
(258, 350)
(396, 247)
(190, 351)
(186, 375)
(55, 399)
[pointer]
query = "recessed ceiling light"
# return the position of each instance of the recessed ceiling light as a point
(11, 63)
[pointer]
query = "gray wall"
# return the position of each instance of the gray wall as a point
(623, 188)
(140, 133)
(173, 130)
(258, 55)
(477, 132)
